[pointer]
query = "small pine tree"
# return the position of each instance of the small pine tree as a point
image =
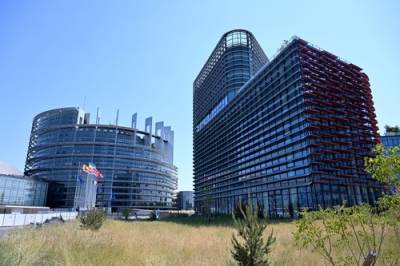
(93, 219)
(238, 210)
(251, 250)
(240, 206)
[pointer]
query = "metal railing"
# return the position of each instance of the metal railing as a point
(21, 219)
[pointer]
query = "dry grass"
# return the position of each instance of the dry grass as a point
(140, 243)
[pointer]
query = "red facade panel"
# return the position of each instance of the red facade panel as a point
(340, 113)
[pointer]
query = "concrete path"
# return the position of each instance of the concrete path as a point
(5, 230)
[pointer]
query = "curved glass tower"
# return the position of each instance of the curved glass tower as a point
(236, 58)
(137, 166)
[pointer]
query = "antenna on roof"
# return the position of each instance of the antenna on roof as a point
(116, 119)
(98, 116)
(134, 118)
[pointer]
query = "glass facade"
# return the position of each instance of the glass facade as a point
(294, 136)
(391, 140)
(185, 200)
(137, 166)
(22, 191)
(236, 57)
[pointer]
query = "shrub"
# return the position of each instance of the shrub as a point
(92, 220)
(356, 235)
(125, 213)
(348, 235)
(251, 249)
(153, 216)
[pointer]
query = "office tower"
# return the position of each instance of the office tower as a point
(291, 133)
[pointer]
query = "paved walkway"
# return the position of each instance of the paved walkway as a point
(5, 230)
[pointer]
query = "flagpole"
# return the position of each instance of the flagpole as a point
(76, 187)
(86, 192)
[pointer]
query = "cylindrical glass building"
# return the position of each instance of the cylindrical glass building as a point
(137, 166)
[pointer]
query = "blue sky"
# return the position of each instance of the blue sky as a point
(142, 56)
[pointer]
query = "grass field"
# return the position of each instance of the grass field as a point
(179, 241)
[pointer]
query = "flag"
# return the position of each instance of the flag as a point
(91, 169)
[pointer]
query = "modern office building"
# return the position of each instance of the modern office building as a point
(391, 138)
(185, 200)
(19, 190)
(136, 166)
(292, 131)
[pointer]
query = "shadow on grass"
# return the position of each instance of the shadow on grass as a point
(219, 220)
(133, 220)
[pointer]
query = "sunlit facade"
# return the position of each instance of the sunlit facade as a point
(137, 166)
(22, 191)
(293, 134)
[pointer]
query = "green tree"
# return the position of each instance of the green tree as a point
(93, 219)
(344, 235)
(391, 206)
(249, 249)
(356, 235)
(385, 165)
(394, 129)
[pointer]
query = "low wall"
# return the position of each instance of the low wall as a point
(20, 219)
